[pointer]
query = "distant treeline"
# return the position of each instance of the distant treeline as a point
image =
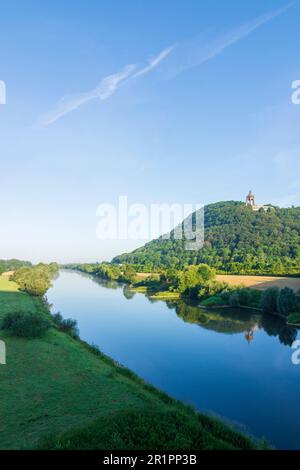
(12, 264)
(108, 271)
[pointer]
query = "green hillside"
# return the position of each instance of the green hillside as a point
(237, 240)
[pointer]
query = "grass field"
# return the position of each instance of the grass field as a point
(261, 282)
(6, 285)
(59, 389)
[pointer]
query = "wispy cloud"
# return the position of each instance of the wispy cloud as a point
(189, 54)
(103, 91)
(195, 52)
(155, 62)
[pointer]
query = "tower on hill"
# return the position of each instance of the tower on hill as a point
(250, 201)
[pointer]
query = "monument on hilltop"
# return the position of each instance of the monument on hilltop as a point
(250, 201)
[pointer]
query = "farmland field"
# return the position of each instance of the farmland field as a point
(261, 282)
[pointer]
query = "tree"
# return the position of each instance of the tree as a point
(34, 280)
(193, 281)
(234, 300)
(129, 273)
(189, 279)
(206, 273)
(286, 301)
(269, 299)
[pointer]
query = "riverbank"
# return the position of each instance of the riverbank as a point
(161, 295)
(213, 293)
(58, 392)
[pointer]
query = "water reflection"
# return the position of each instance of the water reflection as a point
(235, 363)
(231, 321)
(228, 320)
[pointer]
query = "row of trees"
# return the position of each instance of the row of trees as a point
(194, 282)
(111, 272)
(35, 280)
(272, 300)
(283, 301)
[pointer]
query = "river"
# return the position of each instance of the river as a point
(233, 364)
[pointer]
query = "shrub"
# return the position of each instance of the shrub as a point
(67, 325)
(26, 324)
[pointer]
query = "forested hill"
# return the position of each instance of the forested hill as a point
(237, 240)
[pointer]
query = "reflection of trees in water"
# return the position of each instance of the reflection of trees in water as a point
(128, 293)
(55, 275)
(232, 321)
(222, 320)
(228, 321)
(98, 280)
(276, 327)
(106, 283)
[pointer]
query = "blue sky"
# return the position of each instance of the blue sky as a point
(205, 115)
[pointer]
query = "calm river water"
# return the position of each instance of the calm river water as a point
(229, 363)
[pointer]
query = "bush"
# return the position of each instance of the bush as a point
(26, 324)
(67, 325)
